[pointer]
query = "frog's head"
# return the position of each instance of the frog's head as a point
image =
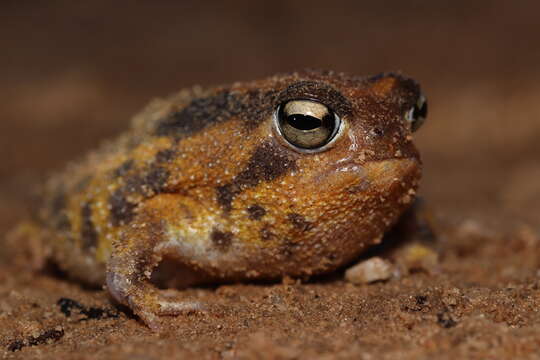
(356, 167)
(342, 126)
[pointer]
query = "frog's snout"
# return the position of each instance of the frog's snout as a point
(379, 176)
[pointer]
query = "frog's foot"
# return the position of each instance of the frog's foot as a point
(133, 259)
(148, 302)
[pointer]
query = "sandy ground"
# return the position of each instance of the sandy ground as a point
(73, 73)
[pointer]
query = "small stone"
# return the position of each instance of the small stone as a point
(416, 256)
(370, 270)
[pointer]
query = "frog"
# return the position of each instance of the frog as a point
(294, 175)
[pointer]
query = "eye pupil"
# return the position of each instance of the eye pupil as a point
(303, 122)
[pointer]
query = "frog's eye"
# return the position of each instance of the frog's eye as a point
(417, 114)
(307, 124)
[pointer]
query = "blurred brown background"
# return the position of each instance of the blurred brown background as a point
(74, 72)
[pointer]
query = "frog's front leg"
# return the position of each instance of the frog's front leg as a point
(135, 254)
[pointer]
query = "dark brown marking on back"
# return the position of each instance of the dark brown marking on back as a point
(256, 211)
(156, 179)
(251, 107)
(222, 240)
(89, 235)
(59, 218)
(122, 211)
(165, 156)
(199, 114)
(267, 163)
(124, 168)
(133, 184)
(149, 183)
(299, 221)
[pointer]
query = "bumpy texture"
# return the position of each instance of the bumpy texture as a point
(204, 179)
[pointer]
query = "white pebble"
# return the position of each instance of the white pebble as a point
(370, 270)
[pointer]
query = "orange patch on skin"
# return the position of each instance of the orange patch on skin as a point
(147, 151)
(382, 87)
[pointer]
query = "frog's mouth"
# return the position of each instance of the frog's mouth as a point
(383, 174)
(376, 176)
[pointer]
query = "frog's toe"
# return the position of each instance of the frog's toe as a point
(151, 320)
(153, 310)
(149, 303)
(154, 316)
(170, 306)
